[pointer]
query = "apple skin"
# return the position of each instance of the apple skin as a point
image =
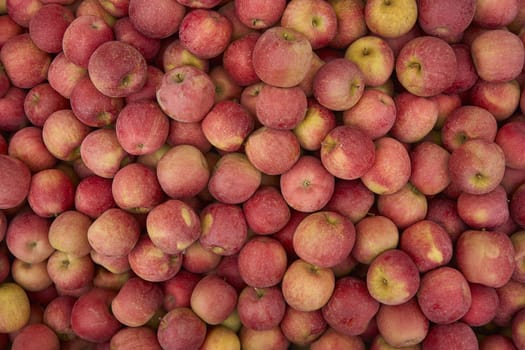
(68, 233)
(315, 125)
(448, 303)
(173, 226)
(508, 136)
(484, 211)
(156, 22)
(31, 277)
(221, 337)
(487, 50)
(149, 90)
(391, 20)
(69, 272)
(392, 277)
(237, 59)
(239, 29)
(57, 316)
(135, 337)
(350, 300)
(41, 101)
(416, 116)
(15, 307)
(28, 146)
(262, 262)
(332, 339)
(477, 166)
(259, 14)
(25, 64)
(51, 192)
(203, 299)
(93, 195)
(181, 82)
(94, 8)
(446, 20)
(127, 33)
(445, 336)
(198, 259)
(391, 169)
(303, 327)
(281, 108)
(45, 335)
(313, 18)
(63, 74)
(266, 339)
(484, 305)
(183, 171)
(374, 235)
(402, 325)
(177, 290)
(228, 269)
(261, 308)
(499, 98)
(495, 15)
(429, 163)
(267, 200)
(47, 27)
(501, 262)
(281, 56)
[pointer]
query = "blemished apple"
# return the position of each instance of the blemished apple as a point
(281, 108)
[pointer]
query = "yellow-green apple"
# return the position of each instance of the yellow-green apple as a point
(27, 145)
(314, 18)
(496, 341)
(404, 207)
(68, 233)
(92, 107)
(351, 24)
(114, 233)
(239, 29)
(417, 69)
(41, 101)
(487, 49)
(272, 338)
(47, 338)
(517, 210)
(63, 74)
(444, 295)
(177, 290)
(324, 238)
(141, 127)
(174, 55)
(259, 14)
(237, 59)
(150, 263)
(457, 335)
(391, 169)
(477, 166)
(261, 308)
(492, 14)
(402, 325)
(415, 117)
(31, 277)
(205, 32)
(484, 211)
(135, 337)
(224, 228)
(303, 327)
(25, 64)
(136, 302)
(347, 152)
(466, 75)
(181, 82)
(234, 179)
(281, 108)
(149, 90)
(492, 264)
(316, 124)
(159, 21)
(204, 297)
(374, 235)
(518, 241)
(374, 113)
(173, 226)
(93, 196)
(374, 57)
(307, 186)
(47, 26)
(350, 300)
(262, 262)
(465, 123)
(428, 244)
(392, 277)
(429, 163)
(391, 18)
(69, 272)
(227, 125)
(508, 137)
(57, 316)
(499, 98)
(91, 318)
(12, 115)
(445, 19)
(183, 171)
(281, 56)
(338, 84)
(307, 287)
(15, 307)
(92, 31)
(333, 339)
(484, 305)
(51, 192)
(272, 151)
(198, 259)
(266, 211)
(220, 337)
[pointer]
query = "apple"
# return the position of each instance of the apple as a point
(494, 15)
(41, 101)
(265, 339)
(12, 113)
(351, 198)
(149, 90)
(391, 19)
(302, 327)
(486, 60)
(484, 305)
(518, 239)
(135, 337)
(466, 75)
(510, 302)
(507, 137)
(113, 264)
(203, 299)
(28, 146)
(374, 57)
(266, 211)
(404, 207)
(15, 307)
(69, 272)
(117, 8)
(429, 163)
(47, 338)
(198, 259)
(94, 8)
(261, 308)
(63, 74)
(281, 108)
(221, 337)
(374, 235)
(47, 27)
(446, 20)
(57, 316)
(416, 116)
(239, 29)
(110, 280)
(484, 211)
(351, 25)
(237, 59)
(181, 329)
(93, 195)
(159, 21)
(175, 54)
(496, 341)
(281, 56)
(31, 277)
(444, 295)
(314, 126)
(228, 269)
(499, 98)
(259, 14)
(332, 339)
(9, 26)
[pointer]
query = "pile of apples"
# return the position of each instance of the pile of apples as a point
(255, 174)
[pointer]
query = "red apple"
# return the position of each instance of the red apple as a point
(259, 14)
(47, 26)
(159, 21)
(181, 329)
